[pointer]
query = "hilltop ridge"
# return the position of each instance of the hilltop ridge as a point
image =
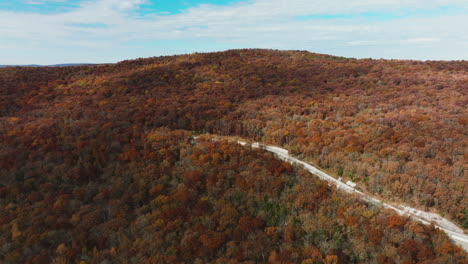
(98, 162)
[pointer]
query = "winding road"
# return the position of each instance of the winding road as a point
(452, 230)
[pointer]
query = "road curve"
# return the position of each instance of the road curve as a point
(452, 230)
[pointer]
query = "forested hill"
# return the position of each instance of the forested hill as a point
(97, 162)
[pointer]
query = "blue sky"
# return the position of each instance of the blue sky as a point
(147, 7)
(62, 31)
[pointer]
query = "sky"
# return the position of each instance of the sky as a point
(106, 31)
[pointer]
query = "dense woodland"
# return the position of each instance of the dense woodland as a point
(98, 163)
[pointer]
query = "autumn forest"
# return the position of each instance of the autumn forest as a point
(99, 163)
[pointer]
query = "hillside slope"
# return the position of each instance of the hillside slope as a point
(211, 202)
(452, 230)
(397, 128)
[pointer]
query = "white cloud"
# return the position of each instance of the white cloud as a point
(259, 23)
(362, 42)
(39, 2)
(421, 40)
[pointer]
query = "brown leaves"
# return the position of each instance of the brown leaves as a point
(395, 221)
(248, 224)
(212, 240)
(375, 236)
